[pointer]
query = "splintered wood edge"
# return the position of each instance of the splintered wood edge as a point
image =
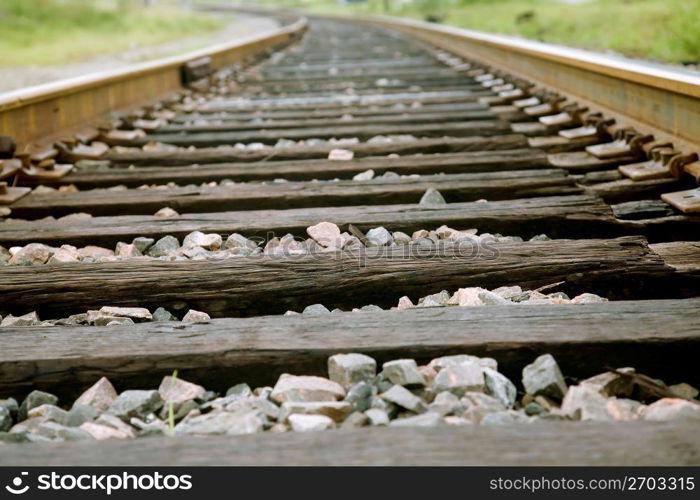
(684, 256)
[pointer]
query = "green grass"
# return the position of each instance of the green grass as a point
(662, 30)
(171, 408)
(41, 32)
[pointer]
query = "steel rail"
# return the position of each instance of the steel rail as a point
(654, 98)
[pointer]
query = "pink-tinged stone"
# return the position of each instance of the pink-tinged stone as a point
(326, 234)
(94, 252)
(127, 250)
(100, 396)
(467, 297)
(64, 255)
(34, 253)
(193, 316)
(306, 389)
(176, 390)
(405, 303)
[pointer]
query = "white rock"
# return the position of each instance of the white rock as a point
(315, 310)
(584, 402)
(193, 316)
(467, 297)
(377, 416)
(340, 155)
(459, 379)
(335, 410)
(166, 212)
(492, 299)
(239, 241)
(672, 409)
(404, 398)
(435, 300)
(403, 372)
(99, 318)
(432, 197)
(405, 303)
(611, 384)
(445, 403)
(29, 319)
(458, 359)
(219, 423)
(500, 387)
(306, 389)
(588, 298)
(451, 420)
(210, 241)
(428, 419)
(367, 175)
(64, 255)
(508, 292)
(379, 236)
(544, 377)
(309, 423)
(102, 432)
(349, 369)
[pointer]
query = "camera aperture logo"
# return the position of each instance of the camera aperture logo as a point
(17, 486)
(107, 483)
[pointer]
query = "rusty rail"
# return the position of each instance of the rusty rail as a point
(652, 98)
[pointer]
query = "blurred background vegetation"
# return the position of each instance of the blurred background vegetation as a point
(662, 30)
(37, 32)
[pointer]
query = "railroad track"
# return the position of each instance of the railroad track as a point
(361, 171)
